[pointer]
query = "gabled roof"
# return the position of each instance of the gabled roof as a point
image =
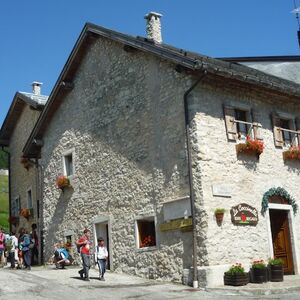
(20, 100)
(188, 60)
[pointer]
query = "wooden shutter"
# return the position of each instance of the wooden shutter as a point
(297, 121)
(231, 128)
(256, 124)
(278, 137)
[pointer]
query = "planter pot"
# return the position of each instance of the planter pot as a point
(288, 155)
(276, 273)
(219, 217)
(259, 275)
(236, 279)
(244, 149)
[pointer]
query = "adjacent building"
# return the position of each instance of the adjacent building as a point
(23, 185)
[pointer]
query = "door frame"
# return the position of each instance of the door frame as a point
(293, 237)
(107, 220)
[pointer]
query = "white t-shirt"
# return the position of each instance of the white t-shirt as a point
(101, 252)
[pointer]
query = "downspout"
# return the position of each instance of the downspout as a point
(9, 184)
(39, 195)
(190, 174)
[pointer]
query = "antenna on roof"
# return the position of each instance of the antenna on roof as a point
(296, 11)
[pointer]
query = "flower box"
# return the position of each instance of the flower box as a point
(62, 182)
(292, 154)
(237, 279)
(25, 212)
(25, 161)
(250, 147)
(13, 220)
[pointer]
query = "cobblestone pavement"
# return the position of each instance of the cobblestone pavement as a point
(48, 283)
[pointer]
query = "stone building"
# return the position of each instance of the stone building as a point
(16, 128)
(153, 139)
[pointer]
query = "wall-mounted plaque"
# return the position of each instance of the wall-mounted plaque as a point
(244, 214)
(221, 190)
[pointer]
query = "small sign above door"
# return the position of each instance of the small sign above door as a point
(244, 214)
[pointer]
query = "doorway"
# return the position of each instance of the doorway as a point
(281, 239)
(101, 230)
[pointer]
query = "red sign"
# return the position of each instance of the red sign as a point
(244, 214)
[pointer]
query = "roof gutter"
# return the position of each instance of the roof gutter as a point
(190, 174)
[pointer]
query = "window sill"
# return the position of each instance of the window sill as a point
(145, 249)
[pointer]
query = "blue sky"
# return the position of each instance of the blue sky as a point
(37, 36)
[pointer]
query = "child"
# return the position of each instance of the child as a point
(101, 256)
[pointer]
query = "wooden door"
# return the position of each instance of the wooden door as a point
(281, 239)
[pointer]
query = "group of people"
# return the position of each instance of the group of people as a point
(84, 247)
(21, 249)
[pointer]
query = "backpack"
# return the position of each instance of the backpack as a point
(8, 244)
(64, 252)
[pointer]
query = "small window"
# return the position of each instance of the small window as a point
(16, 205)
(29, 199)
(68, 164)
(146, 236)
(242, 128)
(286, 135)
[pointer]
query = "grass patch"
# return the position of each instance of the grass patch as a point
(4, 207)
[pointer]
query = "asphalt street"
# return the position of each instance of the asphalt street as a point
(49, 283)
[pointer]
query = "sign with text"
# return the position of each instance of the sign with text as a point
(244, 214)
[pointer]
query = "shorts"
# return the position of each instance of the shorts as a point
(1, 252)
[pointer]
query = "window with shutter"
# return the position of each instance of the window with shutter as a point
(297, 122)
(231, 127)
(256, 125)
(278, 137)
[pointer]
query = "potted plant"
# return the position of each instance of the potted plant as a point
(292, 154)
(25, 212)
(251, 146)
(276, 269)
(219, 214)
(259, 271)
(13, 220)
(62, 182)
(236, 276)
(25, 161)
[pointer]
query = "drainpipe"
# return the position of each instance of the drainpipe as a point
(190, 174)
(39, 196)
(9, 184)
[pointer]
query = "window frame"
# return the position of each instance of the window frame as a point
(65, 154)
(137, 233)
(27, 198)
(16, 206)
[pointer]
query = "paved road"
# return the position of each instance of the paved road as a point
(48, 283)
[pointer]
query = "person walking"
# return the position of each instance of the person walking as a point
(84, 245)
(12, 247)
(34, 250)
(26, 249)
(101, 255)
(2, 243)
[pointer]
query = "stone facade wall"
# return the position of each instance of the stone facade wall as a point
(124, 122)
(22, 179)
(216, 161)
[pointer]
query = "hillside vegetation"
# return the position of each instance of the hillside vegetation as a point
(4, 210)
(3, 160)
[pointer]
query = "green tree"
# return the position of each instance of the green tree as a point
(3, 160)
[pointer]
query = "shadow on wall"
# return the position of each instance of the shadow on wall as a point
(293, 166)
(58, 216)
